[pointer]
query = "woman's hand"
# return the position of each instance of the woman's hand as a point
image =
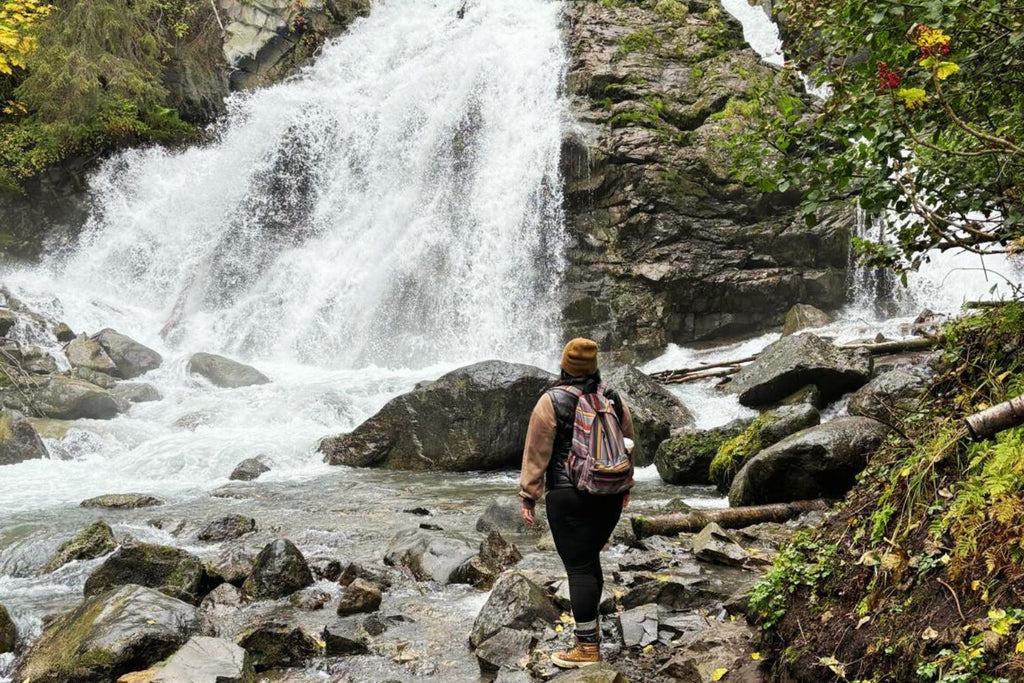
(625, 501)
(526, 512)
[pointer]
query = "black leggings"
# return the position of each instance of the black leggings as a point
(581, 524)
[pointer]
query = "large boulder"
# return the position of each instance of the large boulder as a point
(359, 596)
(279, 642)
(686, 457)
(803, 316)
(250, 469)
(794, 362)
(170, 570)
(516, 602)
(427, 555)
(129, 356)
(109, 634)
(504, 514)
(207, 660)
(506, 649)
(83, 352)
(656, 411)
(890, 396)
(18, 439)
(280, 570)
(70, 398)
(8, 632)
(473, 418)
(94, 541)
(224, 372)
(821, 461)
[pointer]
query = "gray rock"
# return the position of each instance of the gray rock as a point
(29, 358)
(817, 462)
(109, 634)
(359, 596)
(513, 676)
(515, 602)
(235, 565)
(655, 410)
(170, 570)
(723, 645)
(775, 425)
(345, 637)
(473, 418)
(639, 626)
(803, 316)
(495, 556)
(503, 515)
(686, 457)
(122, 501)
(94, 541)
(427, 555)
(714, 545)
(8, 632)
(672, 591)
(595, 673)
(280, 570)
(18, 439)
(69, 398)
(250, 469)
(227, 527)
(7, 321)
(219, 607)
(100, 379)
(129, 356)
(309, 599)
(278, 642)
(135, 392)
(506, 649)
(87, 353)
(224, 372)
(890, 396)
(63, 333)
(207, 660)
(793, 362)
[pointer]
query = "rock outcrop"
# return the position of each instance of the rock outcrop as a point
(473, 418)
(667, 245)
(224, 372)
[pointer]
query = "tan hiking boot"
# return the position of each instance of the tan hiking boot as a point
(584, 654)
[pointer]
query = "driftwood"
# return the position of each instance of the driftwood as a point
(991, 421)
(729, 518)
(900, 346)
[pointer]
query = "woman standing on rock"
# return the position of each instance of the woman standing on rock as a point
(581, 522)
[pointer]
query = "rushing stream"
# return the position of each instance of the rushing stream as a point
(390, 214)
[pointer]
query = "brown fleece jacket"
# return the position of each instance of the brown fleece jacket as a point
(540, 441)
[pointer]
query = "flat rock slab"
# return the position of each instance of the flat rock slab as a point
(224, 372)
(122, 501)
(207, 660)
(639, 626)
(714, 545)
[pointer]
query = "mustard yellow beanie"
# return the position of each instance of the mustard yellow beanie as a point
(579, 358)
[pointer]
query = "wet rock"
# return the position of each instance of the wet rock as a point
(473, 418)
(122, 501)
(235, 565)
(359, 596)
(713, 545)
(95, 540)
(250, 469)
(808, 395)
(309, 599)
(686, 457)
(28, 358)
(8, 632)
(354, 571)
(495, 556)
(768, 428)
(420, 511)
(63, 333)
(218, 607)
(672, 591)
(803, 316)
(890, 396)
(122, 630)
(135, 392)
(596, 673)
(70, 398)
(172, 571)
(87, 353)
(18, 439)
(724, 645)
(102, 380)
(817, 462)
(655, 410)
(516, 602)
(278, 643)
(207, 660)
(325, 568)
(639, 626)
(506, 649)
(502, 514)
(227, 527)
(279, 571)
(224, 372)
(681, 629)
(7, 321)
(793, 362)
(513, 676)
(345, 637)
(775, 425)
(129, 356)
(428, 556)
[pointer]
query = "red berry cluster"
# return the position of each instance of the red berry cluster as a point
(940, 50)
(887, 79)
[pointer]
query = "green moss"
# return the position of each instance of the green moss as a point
(734, 452)
(671, 9)
(6, 427)
(644, 40)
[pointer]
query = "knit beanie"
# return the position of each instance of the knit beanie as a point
(579, 358)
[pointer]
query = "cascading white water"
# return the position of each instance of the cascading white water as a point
(391, 213)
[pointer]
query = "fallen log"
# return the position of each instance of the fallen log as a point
(672, 374)
(1000, 417)
(693, 377)
(898, 346)
(728, 518)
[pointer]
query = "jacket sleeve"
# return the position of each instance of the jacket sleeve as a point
(540, 441)
(627, 421)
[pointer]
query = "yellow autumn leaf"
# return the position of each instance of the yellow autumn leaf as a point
(565, 618)
(912, 98)
(719, 674)
(975, 584)
(944, 70)
(648, 649)
(1020, 647)
(995, 614)
(559, 628)
(755, 656)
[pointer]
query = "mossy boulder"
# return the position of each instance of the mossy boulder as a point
(890, 396)
(123, 630)
(70, 398)
(280, 570)
(170, 570)
(95, 540)
(685, 458)
(8, 632)
(122, 501)
(18, 439)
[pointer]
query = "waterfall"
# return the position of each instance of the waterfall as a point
(397, 204)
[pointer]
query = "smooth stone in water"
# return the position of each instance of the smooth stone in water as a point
(803, 316)
(19, 440)
(280, 570)
(227, 528)
(250, 469)
(503, 514)
(224, 372)
(122, 501)
(95, 540)
(359, 596)
(70, 398)
(429, 556)
(83, 352)
(207, 660)
(129, 356)
(170, 570)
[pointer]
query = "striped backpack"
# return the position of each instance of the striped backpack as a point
(598, 462)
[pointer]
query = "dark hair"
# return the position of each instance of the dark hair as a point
(564, 379)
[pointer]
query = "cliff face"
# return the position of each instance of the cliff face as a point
(667, 247)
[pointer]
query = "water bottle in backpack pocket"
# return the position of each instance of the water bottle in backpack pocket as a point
(599, 461)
